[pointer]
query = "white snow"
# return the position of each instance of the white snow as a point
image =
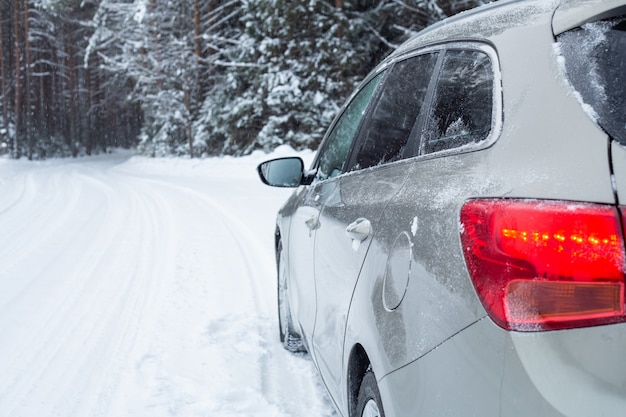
(594, 39)
(414, 225)
(144, 287)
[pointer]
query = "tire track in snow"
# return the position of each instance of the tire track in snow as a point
(283, 384)
(41, 352)
(149, 315)
(246, 244)
(56, 336)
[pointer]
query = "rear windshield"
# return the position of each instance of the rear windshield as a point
(595, 62)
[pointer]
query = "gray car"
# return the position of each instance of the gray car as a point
(457, 246)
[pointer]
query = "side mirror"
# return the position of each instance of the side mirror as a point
(282, 172)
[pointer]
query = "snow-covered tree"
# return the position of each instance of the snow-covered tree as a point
(294, 62)
(51, 104)
(189, 77)
(154, 45)
(274, 83)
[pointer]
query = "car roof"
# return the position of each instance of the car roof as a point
(487, 22)
(573, 13)
(481, 23)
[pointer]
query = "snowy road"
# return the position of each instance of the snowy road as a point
(139, 287)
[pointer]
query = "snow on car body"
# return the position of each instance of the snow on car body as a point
(457, 246)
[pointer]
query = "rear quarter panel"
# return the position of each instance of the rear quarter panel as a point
(548, 149)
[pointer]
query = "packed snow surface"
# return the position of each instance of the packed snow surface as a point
(144, 287)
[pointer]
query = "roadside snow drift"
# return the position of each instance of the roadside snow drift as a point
(144, 287)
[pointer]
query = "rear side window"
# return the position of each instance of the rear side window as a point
(444, 98)
(595, 62)
(432, 102)
(461, 112)
(395, 116)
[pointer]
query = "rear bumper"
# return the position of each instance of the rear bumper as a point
(488, 372)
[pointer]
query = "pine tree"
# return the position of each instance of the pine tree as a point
(189, 77)
(293, 63)
(279, 82)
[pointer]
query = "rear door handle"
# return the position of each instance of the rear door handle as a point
(359, 230)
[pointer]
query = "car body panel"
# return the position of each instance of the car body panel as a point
(298, 221)
(404, 295)
(584, 174)
(468, 366)
(574, 373)
(580, 372)
(618, 154)
(338, 259)
(574, 13)
(472, 367)
(482, 23)
(439, 299)
(437, 187)
(529, 164)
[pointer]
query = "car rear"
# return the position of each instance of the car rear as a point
(539, 228)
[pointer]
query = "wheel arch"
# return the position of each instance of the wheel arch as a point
(358, 365)
(277, 241)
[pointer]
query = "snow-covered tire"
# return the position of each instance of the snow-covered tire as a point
(368, 402)
(291, 340)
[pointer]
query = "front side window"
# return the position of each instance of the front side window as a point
(462, 108)
(335, 152)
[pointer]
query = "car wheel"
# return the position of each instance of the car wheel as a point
(290, 339)
(368, 402)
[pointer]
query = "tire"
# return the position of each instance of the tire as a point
(291, 340)
(368, 402)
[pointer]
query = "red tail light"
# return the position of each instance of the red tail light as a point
(545, 265)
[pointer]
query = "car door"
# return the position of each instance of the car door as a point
(303, 217)
(305, 222)
(350, 215)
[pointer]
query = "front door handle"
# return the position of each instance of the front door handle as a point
(359, 230)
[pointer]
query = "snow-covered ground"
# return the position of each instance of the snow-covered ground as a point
(144, 287)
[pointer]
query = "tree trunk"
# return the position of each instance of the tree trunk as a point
(3, 72)
(17, 153)
(27, 82)
(197, 29)
(72, 94)
(157, 44)
(188, 122)
(42, 110)
(197, 88)
(338, 6)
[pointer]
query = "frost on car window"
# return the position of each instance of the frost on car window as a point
(595, 62)
(333, 156)
(463, 103)
(395, 115)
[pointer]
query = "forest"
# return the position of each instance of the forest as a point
(189, 78)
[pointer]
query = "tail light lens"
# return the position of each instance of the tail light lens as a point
(545, 265)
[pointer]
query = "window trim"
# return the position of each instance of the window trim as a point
(497, 116)
(359, 142)
(414, 148)
(497, 112)
(325, 140)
